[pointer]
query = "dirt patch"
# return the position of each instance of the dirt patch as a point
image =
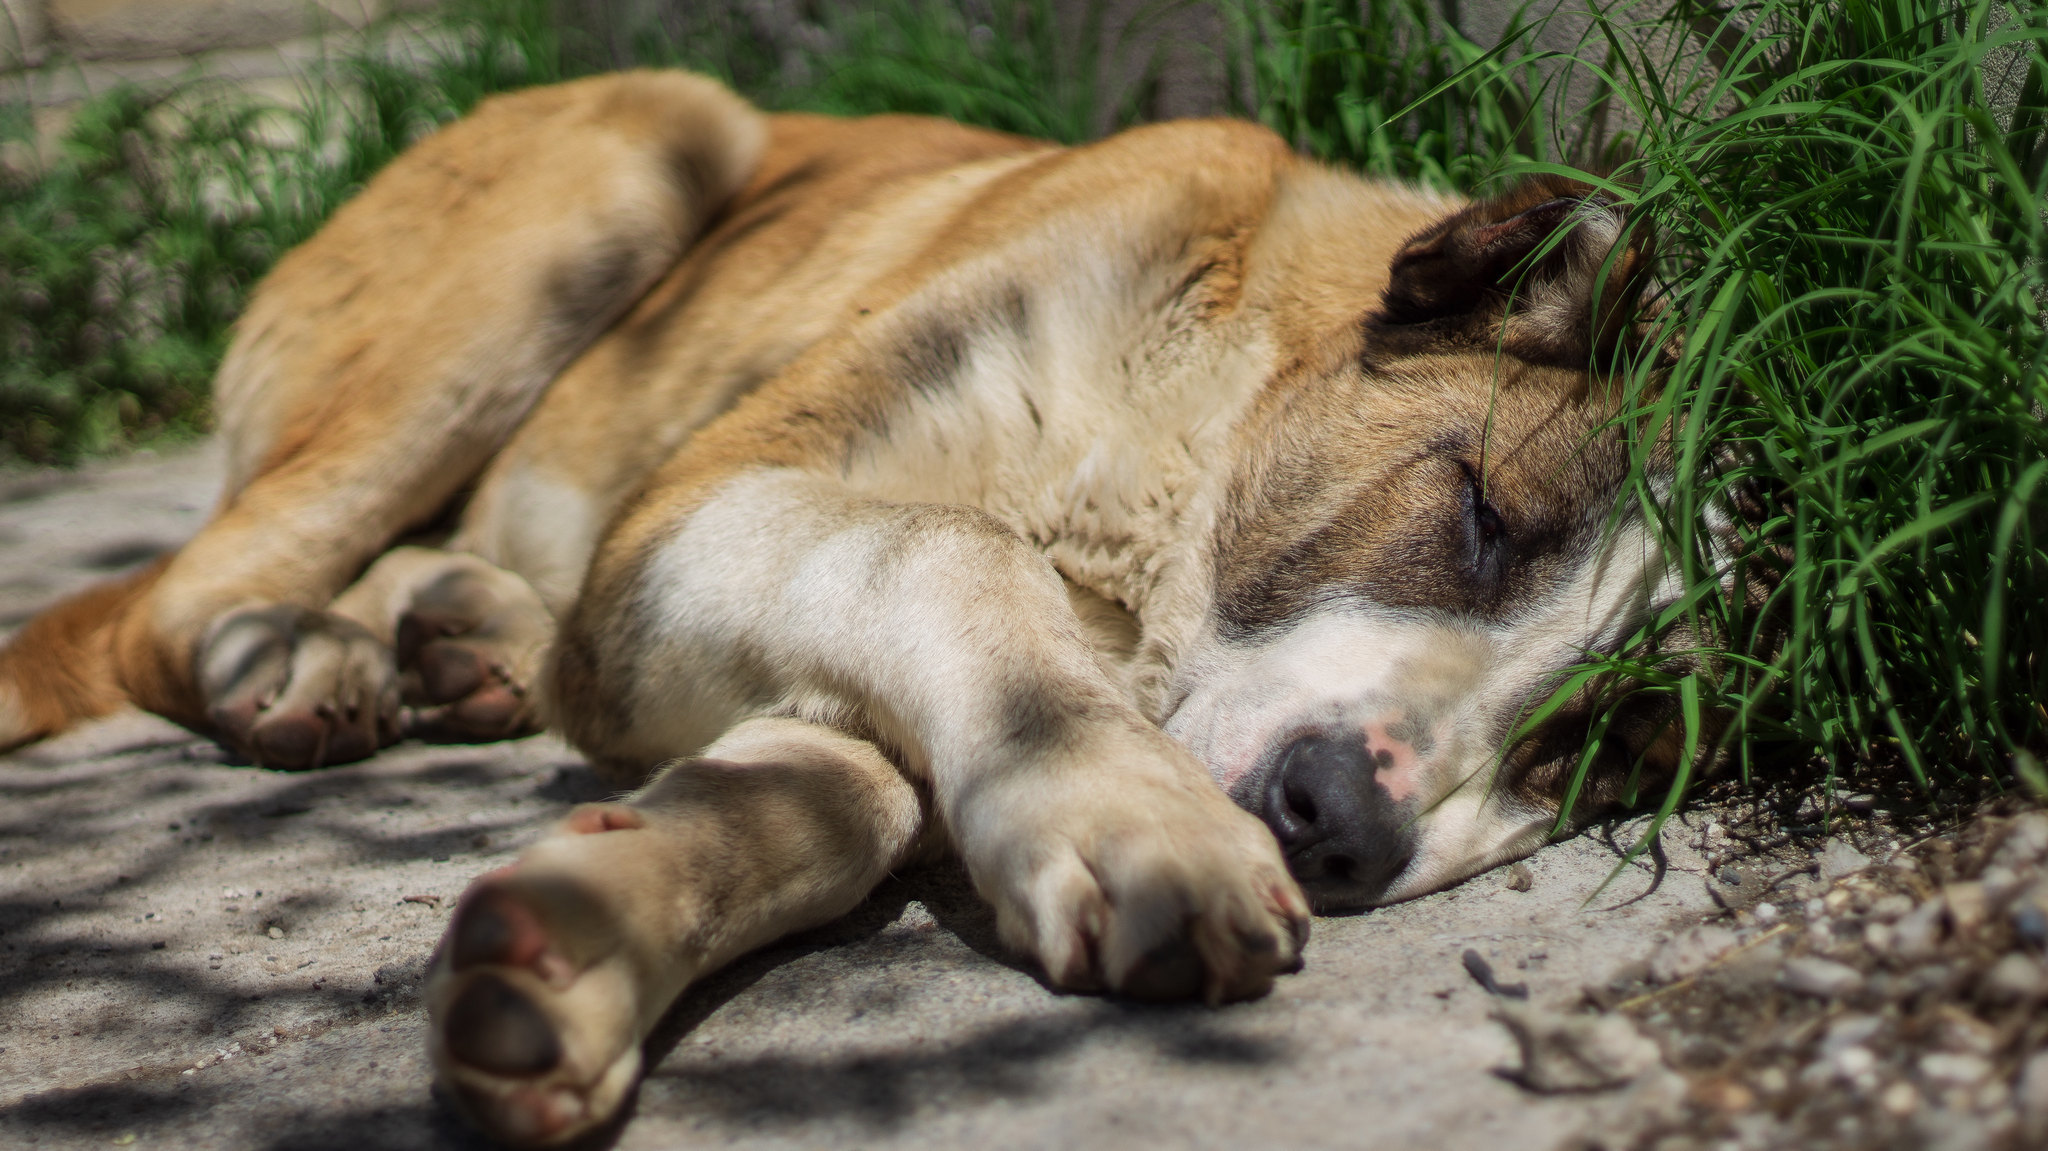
(1872, 995)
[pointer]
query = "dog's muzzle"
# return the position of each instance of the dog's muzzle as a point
(1345, 838)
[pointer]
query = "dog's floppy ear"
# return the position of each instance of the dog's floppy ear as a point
(1527, 271)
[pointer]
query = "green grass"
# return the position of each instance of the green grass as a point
(1848, 196)
(1849, 200)
(1855, 206)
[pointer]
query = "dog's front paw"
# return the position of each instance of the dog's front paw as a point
(533, 998)
(1147, 883)
(294, 688)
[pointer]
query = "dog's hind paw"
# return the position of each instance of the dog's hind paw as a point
(1161, 893)
(294, 688)
(534, 1009)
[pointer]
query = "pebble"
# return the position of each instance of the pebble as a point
(1848, 1031)
(1575, 1052)
(1820, 978)
(1887, 908)
(1953, 1070)
(1839, 859)
(2025, 842)
(2015, 978)
(2000, 884)
(1766, 913)
(1968, 907)
(2033, 1093)
(1963, 1032)
(2030, 915)
(1689, 952)
(1917, 934)
(1852, 1064)
(1900, 1099)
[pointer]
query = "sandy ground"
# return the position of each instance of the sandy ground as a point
(194, 953)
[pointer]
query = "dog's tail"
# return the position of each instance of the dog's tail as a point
(59, 669)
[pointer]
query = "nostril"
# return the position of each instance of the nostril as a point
(1301, 802)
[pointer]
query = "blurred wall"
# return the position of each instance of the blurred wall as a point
(1162, 58)
(55, 52)
(1168, 57)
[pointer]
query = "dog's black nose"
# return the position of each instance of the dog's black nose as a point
(1344, 837)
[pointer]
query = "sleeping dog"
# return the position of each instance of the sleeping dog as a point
(1171, 527)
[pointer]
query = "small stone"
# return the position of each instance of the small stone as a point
(2033, 1095)
(275, 933)
(2000, 885)
(2015, 978)
(1816, 908)
(1575, 1052)
(2025, 842)
(2029, 912)
(1968, 907)
(1848, 1031)
(1899, 1100)
(1766, 913)
(1820, 978)
(1690, 952)
(1917, 934)
(1877, 937)
(1718, 1094)
(1887, 908)
(1853, 1064)
(1520, 878)
(1838, 859)
(1948, 1070)
(1963, 1032)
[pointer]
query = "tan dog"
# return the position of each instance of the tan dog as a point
(930, 489)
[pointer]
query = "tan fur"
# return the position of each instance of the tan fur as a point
(884, 483)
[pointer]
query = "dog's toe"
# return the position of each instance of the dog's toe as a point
(533, 1008)
(1171, 970)
(495, 1027)
(296, 689)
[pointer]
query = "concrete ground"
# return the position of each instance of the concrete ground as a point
(200, 954)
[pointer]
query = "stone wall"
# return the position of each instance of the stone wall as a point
(55, 52)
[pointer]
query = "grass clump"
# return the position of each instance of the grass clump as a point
(1849, 198)
(1854, 194)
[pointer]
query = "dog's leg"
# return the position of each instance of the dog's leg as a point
(1104, 846)
(556, 968)
(468, 635)
(380, 366)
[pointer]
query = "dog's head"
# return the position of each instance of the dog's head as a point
(1423, 535)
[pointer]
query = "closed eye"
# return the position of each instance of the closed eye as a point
(1486, 533)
